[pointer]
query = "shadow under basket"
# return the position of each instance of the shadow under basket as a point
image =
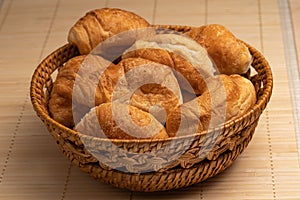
(152, 165)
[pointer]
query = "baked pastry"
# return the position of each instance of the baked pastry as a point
(60, 102)
(229, 54)
(100, 24)
(120, 121)
(82, 83)
(227, 97)
(151, 87)
(189, 60)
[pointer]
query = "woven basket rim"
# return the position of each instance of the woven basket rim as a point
(259, 105)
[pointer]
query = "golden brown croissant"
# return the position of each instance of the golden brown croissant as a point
(100, 24)
(157, 90)
(105, 121)
(83, 82)
(227, 97)
(60, 102)
(188, 59)
(229, 54)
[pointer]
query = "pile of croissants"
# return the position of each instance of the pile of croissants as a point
(134, 81)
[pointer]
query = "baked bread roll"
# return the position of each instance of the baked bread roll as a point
(229, 54)
(227, 97)
(60, 102)
(106, 121)
(151, 87)
(95, 81)
(100, 24)
(82, 83)
(189, 60)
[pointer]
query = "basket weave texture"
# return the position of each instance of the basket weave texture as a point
(197, 163)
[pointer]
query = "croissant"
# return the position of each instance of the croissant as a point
(104, 121)
(100, 24)
(188, 59)
(60, 102)
(153, 86)
(230, 55)
(227, 97)
(83, 82)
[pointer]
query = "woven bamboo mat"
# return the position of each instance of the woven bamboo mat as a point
(32, 167)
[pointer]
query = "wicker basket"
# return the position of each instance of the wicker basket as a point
(190, 168)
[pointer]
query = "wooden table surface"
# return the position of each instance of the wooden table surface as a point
(31, 165)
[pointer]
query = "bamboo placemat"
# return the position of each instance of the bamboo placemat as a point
(32, 167)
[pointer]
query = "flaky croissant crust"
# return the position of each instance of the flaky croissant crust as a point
(100, 24)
